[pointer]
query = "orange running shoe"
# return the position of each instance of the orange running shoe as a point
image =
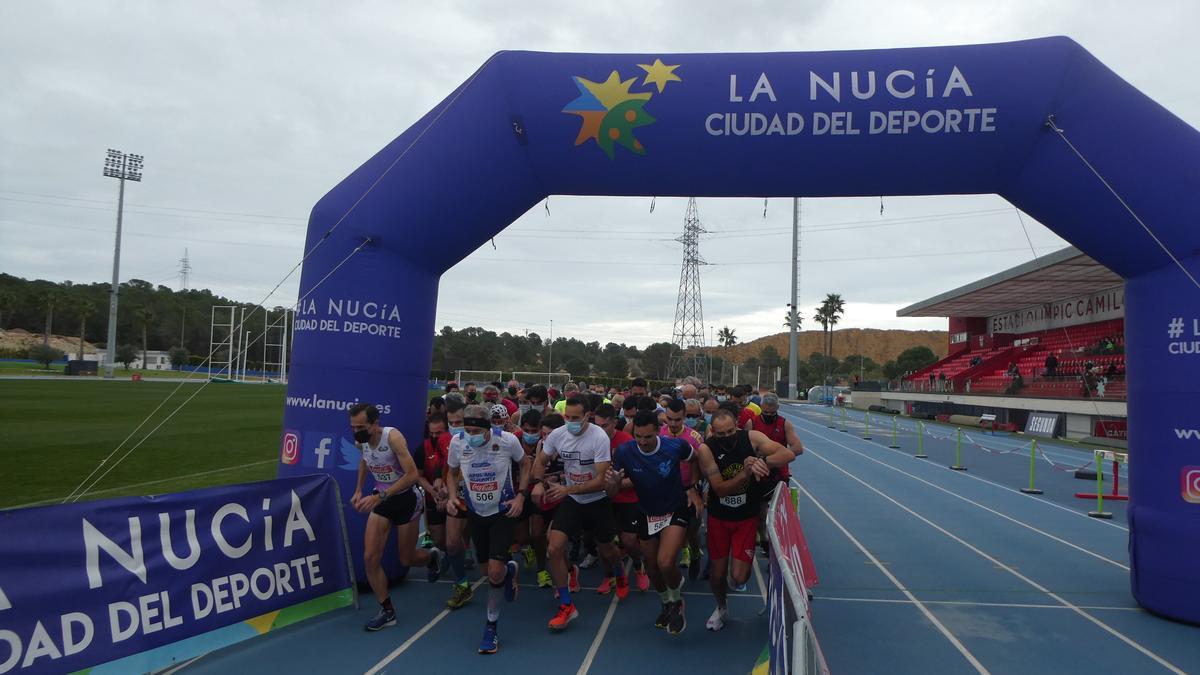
(606, 586)
(622, 587)
(573, 579)
(642, 579)
(566, 614)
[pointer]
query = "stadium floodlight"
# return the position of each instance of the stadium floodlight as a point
(123, 167)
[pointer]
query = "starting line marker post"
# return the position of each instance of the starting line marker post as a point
(921, 441)
(1031, 490)
(1117, 459)
(958, 465)
(842, 422)
(895, 443)
(867, 427)
(832, 424)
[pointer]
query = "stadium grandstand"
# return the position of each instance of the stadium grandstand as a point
(1046, 336)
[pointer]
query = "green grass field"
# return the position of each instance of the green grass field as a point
(54, 432)
(56, 370)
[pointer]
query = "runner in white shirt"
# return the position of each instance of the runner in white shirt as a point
(584, 451)
(395, 502)
(482, 460)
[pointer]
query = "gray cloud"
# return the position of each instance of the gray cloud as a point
(256, 109)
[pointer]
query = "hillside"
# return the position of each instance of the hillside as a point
(878, 345)
(18, 339)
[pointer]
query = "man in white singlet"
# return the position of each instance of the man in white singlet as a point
(394, 502)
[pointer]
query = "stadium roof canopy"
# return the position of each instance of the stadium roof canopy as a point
(1066, 273)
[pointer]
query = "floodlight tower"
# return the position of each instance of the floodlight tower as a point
(123, 167)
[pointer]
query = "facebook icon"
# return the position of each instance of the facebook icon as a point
(321, 445)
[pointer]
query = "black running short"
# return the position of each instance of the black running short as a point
(492, 536)
(650, 527)
(629, 517)
(572, 518)
(403, 508)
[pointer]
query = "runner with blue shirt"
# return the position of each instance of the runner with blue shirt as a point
(483, 462)
(650, 464)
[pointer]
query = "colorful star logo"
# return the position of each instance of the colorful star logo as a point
(610, 112)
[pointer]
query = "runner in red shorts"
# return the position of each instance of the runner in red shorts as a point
(733, 460)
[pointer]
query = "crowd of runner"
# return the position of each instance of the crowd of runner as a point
(593, 475)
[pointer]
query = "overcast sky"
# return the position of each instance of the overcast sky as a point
(248, 112)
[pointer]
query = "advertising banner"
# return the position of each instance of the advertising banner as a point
(136, 584)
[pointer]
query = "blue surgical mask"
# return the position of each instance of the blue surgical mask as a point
(531, 439)
(475, 440)
(497, 429)
(691, 422)
(575, 428)
(708, 418)
(722, 399)
(457, 431)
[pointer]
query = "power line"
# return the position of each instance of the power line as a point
(154, 206)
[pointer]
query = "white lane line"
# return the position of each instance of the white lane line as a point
(975, 503)
(591, 652)
(57, 500)
(1002, 486)
(896, 582)
(378, 667)
(968, 603)
(1011, 570)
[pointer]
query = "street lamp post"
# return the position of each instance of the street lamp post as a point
(123, 167)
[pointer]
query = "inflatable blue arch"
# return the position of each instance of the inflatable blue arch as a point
(1040, 122)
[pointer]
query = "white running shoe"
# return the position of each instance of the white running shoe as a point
(588, 561)
(717, 620)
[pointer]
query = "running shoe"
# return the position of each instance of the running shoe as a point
(385, 618)
(573, 579)
(566, 614)
(685, 559)
(544, 580)
(530, 557)
(622, 587)
(717, 620)
(678, 620)
(664, 616)
(461, 595)
(426, 541)
(740, 588)
(606, 585)
(433, 570)
(589, 560)
(641, 579)
(511, 588)
(490, 644)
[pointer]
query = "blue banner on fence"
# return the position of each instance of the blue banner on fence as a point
(148, 581)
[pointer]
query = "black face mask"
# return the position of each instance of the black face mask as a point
(362, 435)
(722, 444)
(770, 418)
(471, 395)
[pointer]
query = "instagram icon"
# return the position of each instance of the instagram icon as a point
(1191, 484)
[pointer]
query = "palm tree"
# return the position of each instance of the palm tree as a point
(792, 317)
(84, 307)
(728, 338)
(835, 308)
(144, 317)
(50, 298)
(822, 317)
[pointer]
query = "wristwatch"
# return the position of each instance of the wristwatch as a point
(381, 494)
